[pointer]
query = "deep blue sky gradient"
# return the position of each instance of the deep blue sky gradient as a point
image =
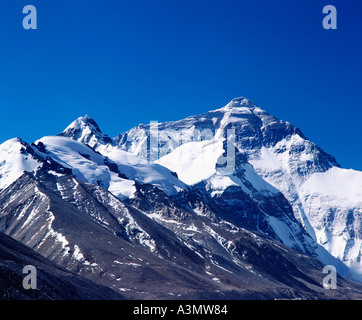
(130, 62)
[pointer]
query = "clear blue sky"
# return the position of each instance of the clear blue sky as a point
(127, 62)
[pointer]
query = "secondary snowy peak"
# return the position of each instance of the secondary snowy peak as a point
(16, 157)
(87, 165)
(87, 133)
(114, 169)
(86, 130)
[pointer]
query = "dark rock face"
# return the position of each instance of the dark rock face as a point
(53, 282)
(86, 230)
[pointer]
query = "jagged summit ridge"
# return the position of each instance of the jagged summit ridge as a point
(240, 102)
(86, 130)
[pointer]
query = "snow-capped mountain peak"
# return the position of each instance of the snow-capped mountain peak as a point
(239, 102)
(16, 157)
(281, 154)
(86, 130)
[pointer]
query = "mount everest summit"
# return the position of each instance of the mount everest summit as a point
(233, 203)
(326, 199)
